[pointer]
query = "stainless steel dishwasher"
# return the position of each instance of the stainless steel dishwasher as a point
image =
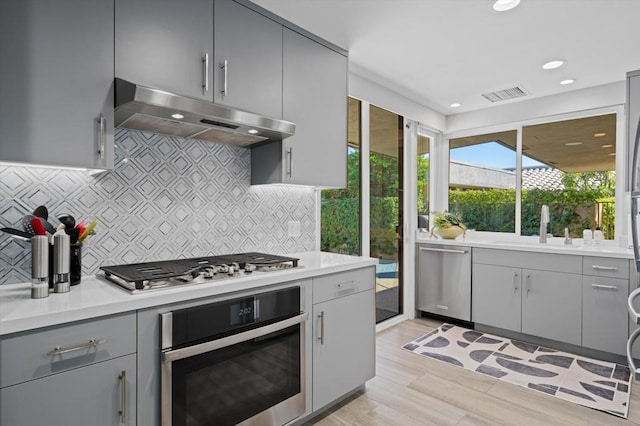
(443, 280)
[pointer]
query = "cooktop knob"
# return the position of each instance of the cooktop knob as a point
(249, 268)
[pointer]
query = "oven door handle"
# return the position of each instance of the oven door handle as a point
(201, 348)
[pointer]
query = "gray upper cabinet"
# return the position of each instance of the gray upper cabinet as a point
(315, 99)
(166, 45)
(56, 106)
(247, 65)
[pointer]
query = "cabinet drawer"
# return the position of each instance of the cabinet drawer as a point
(332, 286)
(531, 260)
(605, 267)
(27, 356)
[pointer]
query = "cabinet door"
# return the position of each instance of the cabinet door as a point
(343, 347)
(315, 98)
(57, 80)
(92, 395)
(496, 296)
(552, 305)
(163, 43)
(604, 314)
(247, 67)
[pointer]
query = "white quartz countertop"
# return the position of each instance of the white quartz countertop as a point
(553, 245)
(95, 296)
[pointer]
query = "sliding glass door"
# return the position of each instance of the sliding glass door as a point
(385, 208)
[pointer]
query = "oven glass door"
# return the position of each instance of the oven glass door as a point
(229, 385)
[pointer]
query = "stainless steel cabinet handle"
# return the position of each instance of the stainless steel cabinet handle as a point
(444, 250)
(290, 154)
(605, 268)
(123, 389)
(321, 336)
(608, 287)
(205, 69)
(101, 136)
(225, 68)
(347, 284)
(515, 282)
(528, 283)
(58, 350)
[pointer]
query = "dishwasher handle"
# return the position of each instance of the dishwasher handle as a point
(440, 250)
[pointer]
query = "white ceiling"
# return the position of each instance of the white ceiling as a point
(436, 52)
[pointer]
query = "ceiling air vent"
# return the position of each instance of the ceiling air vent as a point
(503, 95)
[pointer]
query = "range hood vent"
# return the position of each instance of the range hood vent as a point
(152, 110)
(505, 94)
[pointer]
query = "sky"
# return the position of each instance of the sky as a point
(490, 154)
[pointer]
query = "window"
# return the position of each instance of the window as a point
(423, 163)
(574, 175)
(482, 181)
(568, 165)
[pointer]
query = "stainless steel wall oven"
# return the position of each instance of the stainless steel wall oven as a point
(238, 361)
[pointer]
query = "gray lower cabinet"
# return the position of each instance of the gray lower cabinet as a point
(539, 294)
(343, 334)
(605, 288)
(56, 106)
(552, 305)
(581, 300)
(496, 300)
(317, 154)
(604, 314)
(81, 373)
(540, 303)
(166, 44)
(247, 62)
(101, 394)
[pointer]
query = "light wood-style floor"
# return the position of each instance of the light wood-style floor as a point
(410, 389)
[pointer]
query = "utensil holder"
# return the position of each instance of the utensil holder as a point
(75, 267)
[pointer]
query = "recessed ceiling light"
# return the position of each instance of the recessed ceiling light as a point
(607, 146)
(613, 153)
(600, 135)
(504, 5)
(568, 81)
(252, 131)
(455, 105)
(573, 143)
(556, 63)
(177, 116)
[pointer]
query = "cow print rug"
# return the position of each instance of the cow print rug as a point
(597, 384)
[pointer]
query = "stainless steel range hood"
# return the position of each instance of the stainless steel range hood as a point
(151, 110)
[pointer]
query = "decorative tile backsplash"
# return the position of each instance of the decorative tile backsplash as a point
(166, 198)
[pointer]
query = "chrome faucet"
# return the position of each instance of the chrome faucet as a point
(544, 221)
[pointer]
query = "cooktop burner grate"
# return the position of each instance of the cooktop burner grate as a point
(141, 273)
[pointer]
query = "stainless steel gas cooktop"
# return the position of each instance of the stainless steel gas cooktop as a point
(138, 277)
